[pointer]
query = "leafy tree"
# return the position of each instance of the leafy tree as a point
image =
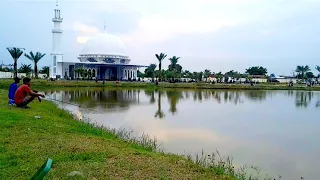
(219, 76)
(140, 74)
(25, 69)
(302, 70)
(206, 74)
(5, 69)
(174, 64)
(45, 70)
(35, 58)
(160, 58)
(309, 75)
(15, 54)
(256, 70)
(150, 71)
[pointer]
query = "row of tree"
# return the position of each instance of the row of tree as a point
(175, 70)
(27, 68)
(16, 54)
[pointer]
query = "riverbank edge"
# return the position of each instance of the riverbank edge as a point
(44, 84)
(86, 129)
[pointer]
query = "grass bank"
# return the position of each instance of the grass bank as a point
(95, 153)
(42, 84)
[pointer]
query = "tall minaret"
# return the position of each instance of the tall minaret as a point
(56, 55)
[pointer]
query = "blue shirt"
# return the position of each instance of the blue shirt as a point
(12, 90)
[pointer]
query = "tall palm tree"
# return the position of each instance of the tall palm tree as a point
(160, 58)
(35, 58)
(302, 70)
(15, 54)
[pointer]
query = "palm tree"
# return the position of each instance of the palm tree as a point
(174, 62)
(25, 69)
(35, 58)
(160, 58)
(15, 54)
(301, 70)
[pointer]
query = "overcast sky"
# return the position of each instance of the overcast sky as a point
(219, 35)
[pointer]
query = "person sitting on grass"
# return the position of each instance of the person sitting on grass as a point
(24, 95)
(12, 90)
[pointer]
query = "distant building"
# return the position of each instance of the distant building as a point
(103, 57)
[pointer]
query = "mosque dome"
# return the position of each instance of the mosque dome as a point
(104, 44)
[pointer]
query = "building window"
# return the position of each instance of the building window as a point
(125, 73)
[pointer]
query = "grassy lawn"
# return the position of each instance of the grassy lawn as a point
(26, 142)
(39, 83)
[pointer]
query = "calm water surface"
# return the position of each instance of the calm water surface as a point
(275, 130)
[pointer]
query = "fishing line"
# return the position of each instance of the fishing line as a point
(77, 105)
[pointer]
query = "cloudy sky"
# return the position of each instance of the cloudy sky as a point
(220, 35)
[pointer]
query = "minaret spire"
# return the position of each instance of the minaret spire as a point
(56, 54)
(104, 26)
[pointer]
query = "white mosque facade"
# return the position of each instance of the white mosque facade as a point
(103, 57)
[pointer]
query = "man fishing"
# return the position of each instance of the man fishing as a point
(24, 95)
(12, 90)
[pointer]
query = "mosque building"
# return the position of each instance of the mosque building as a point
(103, 57)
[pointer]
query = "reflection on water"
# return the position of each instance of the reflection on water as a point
(276, 130)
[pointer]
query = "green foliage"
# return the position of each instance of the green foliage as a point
(45, 70)
(35, 58)
(150, 71)
(25, 69)
(160, 58)
(256, 70)
(5, 69)
(97, 152)
(15, 54)
(302, 70)
(309, 75)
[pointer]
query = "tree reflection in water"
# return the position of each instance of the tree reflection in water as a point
(122, 99)
(303, 98)
(159, 114)
(173, 98)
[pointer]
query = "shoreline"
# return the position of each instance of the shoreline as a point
(79, 146)
(76, 145)
(43, 84)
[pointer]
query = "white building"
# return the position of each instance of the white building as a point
(103, 57)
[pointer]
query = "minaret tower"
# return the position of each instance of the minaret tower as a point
(56, 55)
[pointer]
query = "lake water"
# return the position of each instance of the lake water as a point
(275, 130)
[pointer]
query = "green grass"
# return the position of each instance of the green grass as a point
(42, 84)
(101, 153)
